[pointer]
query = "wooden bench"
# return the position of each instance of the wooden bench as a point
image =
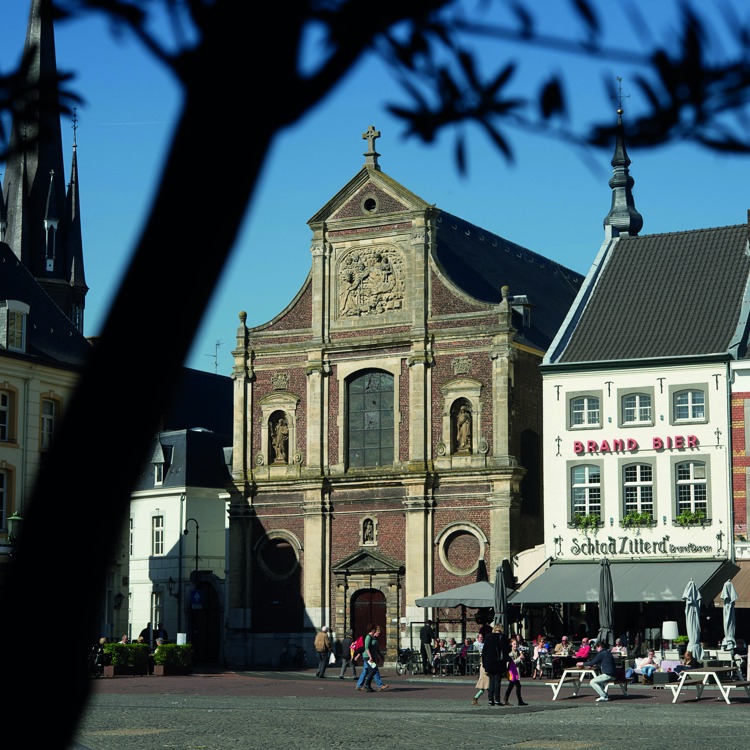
(745, 684)
(621, 683)
(559, 684)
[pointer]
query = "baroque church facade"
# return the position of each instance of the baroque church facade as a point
(388, 422)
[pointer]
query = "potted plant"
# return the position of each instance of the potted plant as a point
(681, 643)
(126, 659)
(173, 659)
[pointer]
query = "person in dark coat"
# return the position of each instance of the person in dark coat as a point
(606, 663)
(495, 662)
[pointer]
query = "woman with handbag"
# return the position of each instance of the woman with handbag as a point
(514, 677)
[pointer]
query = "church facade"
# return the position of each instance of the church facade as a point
(387, 423)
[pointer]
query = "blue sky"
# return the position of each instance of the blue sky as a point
(549, 201)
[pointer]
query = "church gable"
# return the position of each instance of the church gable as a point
(368, 200)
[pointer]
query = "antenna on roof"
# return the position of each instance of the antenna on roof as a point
(215, 355)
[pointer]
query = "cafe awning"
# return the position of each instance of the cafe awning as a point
(632, 581)
(741, 583)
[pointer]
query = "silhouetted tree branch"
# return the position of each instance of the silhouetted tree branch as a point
(83, 495)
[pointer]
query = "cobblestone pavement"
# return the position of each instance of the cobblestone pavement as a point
(274, 710)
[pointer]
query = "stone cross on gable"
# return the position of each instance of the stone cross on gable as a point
(371, 155)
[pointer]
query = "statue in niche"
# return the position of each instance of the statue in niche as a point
(280, 440)
(463, 430)
(368, 530)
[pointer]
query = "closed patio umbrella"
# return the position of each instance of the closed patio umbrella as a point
(692, 597)
(606, 604)
(729, 597)
(501, 599)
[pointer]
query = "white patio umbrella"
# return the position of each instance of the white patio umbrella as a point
(729, 597)
(692, 597)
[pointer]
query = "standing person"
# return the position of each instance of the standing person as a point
(495, 661)
(515, 660)
(147, 634)
(606, 663)
(426, 639)
(347, 658)
(323, 647)
(483, 681)
(372, 660)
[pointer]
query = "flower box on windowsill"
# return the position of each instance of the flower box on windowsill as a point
(635, 520)
(585, 523)
(686, 518)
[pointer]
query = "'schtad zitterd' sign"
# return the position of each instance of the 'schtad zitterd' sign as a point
(630, 445)
(634, 545)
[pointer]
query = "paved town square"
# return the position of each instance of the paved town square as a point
(227, 710)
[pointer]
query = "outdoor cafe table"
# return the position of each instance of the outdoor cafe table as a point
(723, 677)
(574, 677)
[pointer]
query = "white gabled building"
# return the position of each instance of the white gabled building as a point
(637, 454)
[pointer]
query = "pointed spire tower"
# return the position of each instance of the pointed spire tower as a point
(42, 228)
(623, 218)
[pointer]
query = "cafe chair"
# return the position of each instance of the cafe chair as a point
(546, 666)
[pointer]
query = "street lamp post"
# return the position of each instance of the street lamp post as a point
(196, 539)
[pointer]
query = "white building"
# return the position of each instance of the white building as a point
(637, 454)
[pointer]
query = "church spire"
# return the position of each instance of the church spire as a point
(623, 218)
(34, 184)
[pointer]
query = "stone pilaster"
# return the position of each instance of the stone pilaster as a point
(242, 436)
(419, 548)
(419, 406)
(317, 559)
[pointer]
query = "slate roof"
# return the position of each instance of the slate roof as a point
(202, 399)
(51, 336)
(666, 295)
(480, 263)
(193, 458)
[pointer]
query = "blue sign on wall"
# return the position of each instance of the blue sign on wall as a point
(196, 599)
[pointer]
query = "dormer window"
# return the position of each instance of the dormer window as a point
(13, 315)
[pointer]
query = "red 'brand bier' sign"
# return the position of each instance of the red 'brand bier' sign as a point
(618, 445)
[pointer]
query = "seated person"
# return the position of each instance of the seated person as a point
(463, 656)
(438, 654)
(618, 648)
(648, 666)
(584, 651)
(564, 648)
(687, 662)
(562, 656)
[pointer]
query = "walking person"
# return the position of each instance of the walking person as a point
(483, 683)
(323, 647)
(426, 639)
(347, 657)
(515, 660)
(495, 661)
(606, 663)
(372, 660)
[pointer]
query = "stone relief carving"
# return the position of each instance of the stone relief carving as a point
(371, 282)
(461, 365)
(280, 380)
